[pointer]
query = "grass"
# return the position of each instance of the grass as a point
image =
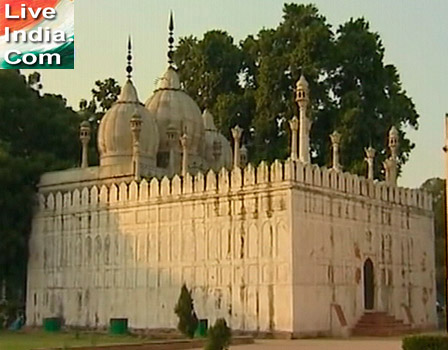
(40, 339)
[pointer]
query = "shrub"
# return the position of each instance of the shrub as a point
(425, 342)
(188, 321)
(219, 336)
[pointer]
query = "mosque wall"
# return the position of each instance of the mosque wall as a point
(269, 248)
(335, 232)
(124, 251)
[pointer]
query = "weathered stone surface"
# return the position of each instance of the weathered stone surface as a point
(262, 257)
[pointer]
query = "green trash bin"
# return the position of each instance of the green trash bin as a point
(52, 324)
(201, 330)
(118, 326)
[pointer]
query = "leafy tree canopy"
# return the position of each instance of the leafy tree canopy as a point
(38, 133)
(251, 83)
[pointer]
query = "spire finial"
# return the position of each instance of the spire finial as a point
(129, 68)
(171, 40)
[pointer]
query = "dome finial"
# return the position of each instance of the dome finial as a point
(171, 40)
(129, 68)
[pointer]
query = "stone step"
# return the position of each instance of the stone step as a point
(373, 324)
(380, 324)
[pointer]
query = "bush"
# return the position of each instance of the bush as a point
(219, 336)
(188, 321)
(425, 342)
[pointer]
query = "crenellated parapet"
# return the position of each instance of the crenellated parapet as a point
(288, 174)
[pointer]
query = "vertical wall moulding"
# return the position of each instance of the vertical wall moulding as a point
(41, 201)
(94, 196)
(154, 188)
(364, 189)
(143, 191)
(58, 204)
(123, 192)
(50, 201)
(187, 184)
(356, 185)
(211, 182)
(325, 177)
(277, 171)
(341, 182)
(104, 195)
(317, 175)
(176, 185)
(133, 191)
(85, 197)
(236, 178)
(113, 194)
(289, 170)
(308, 174)
(199, 183)
(67, 200)
(262, 173)
(165, 187)
(300, 172)
(76, 200)
(249, 175)
(378, 191)
(223, 180)
(333, 179)
(348, 182)
(384, 190)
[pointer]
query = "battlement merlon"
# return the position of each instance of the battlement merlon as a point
(93, 185)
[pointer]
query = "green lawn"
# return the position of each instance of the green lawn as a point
(40, 339)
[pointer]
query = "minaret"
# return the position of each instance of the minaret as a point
(302, 99)
(294, 125)
(184, 143)
(335, 138)
(393, 146)
(370, 159)
(237, 132)
(136, 128)
(391, 164)
(393, 142)
(84, 136)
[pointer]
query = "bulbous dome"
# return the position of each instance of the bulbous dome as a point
(217, 150)
(176, 114)
(115, 136)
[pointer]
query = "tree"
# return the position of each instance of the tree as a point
(352, 89)
(219, 336)
(216, 61)
(370, 97)
(38, 133)
(436, 187)
(188, 321)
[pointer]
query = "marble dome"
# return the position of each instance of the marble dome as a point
(114, 134)
(176, 114)
(218, 152)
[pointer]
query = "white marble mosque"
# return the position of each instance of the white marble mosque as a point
(288, 247)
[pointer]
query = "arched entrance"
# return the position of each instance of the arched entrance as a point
(369, 288)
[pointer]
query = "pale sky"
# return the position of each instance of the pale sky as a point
(413, 32)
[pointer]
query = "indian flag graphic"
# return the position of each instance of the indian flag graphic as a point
(33, 35)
